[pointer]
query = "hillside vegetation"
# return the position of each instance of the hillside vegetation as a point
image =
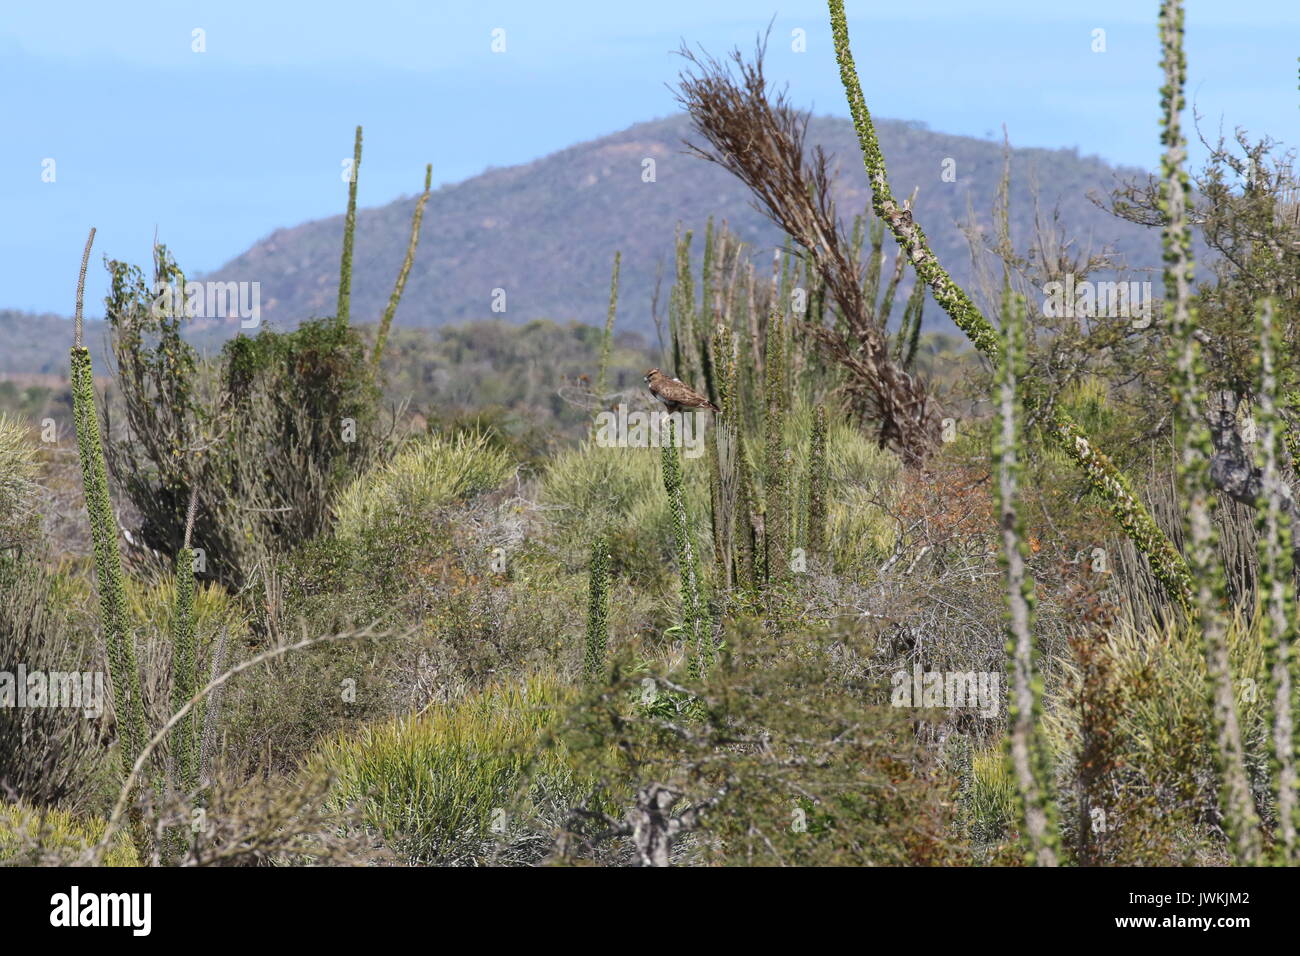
(1018, 594)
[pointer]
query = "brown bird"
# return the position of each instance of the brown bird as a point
(675, 393)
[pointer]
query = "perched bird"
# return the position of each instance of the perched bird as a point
(675, 393)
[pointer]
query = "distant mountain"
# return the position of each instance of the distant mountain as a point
(36, 343)
(546, 231)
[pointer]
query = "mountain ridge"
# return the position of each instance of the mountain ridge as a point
(508, 227)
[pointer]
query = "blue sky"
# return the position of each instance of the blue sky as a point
(216, 149)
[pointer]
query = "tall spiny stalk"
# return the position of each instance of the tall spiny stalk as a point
(1197, 450)
(1106, 480)
(818, 481)
(606, 343)
(185, 677)
(1277, 589)
(697, 631)
(681, 312)
(349, 229)
(722, 461)
(597, 610)
(1029, 758)
(776, 474)
(381, 337)
(123, 671)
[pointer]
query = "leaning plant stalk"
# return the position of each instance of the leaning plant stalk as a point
(386, 323)
(123, 671)
(1106, 480)
(349, 230)
(1194, 480)
(1277, 590)
(1030, 760)
(185, 678)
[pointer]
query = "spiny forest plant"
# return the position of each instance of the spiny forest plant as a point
(1030, 760)
(268, 433)
(696, 626)
(381, 335)
(607, 340)
(1277, 592)
(759, 138)
(341, 315)
(1105, 479)
(597, 610)
(818, 480)
(1197, 450)
(123, 670)
(776, 518)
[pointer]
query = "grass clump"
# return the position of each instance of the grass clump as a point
(19, 470)
(31, 837)
(462, 782)
(427, 474)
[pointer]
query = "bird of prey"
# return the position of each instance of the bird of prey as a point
(675, 393)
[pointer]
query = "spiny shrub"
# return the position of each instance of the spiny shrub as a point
(268, 432)
(697, 626)
(465, 780)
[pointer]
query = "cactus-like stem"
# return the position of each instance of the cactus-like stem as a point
(386, 323)
(124, 673)
(1195, 485)
(349, 230)
(597, 610)
(723, 473)
(1030, 760)
(185, 677)
(776, 474)
(818, 482)
(607, 341)
(1106, 480)
(1277, 589)
(696, 628)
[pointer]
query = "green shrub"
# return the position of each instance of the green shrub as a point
(426, 475)
(267, 433)
(435, 784)
(991, 802)
(19, 470)
(589, 488)
(1163, 741)
(31, 837)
